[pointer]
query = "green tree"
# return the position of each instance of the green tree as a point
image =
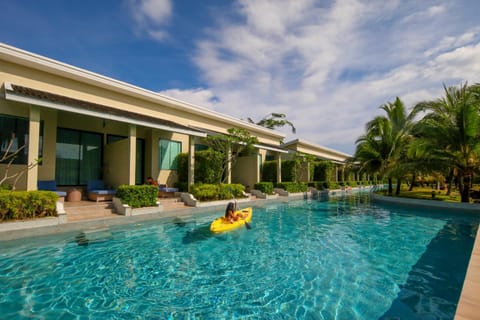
(382, 148)
(240, 139)
(274, 120)
(449, 132)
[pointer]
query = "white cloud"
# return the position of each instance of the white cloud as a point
(151, 16)
(199, 96)
(429, 12)
(329, 66)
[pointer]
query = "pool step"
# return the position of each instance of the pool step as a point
(88, 210)
(171, 203)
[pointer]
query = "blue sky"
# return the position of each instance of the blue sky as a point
(328, 65)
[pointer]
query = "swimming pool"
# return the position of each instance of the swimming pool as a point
(341, 259)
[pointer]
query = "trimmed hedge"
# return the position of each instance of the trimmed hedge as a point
(138, 196)
(289, 173)
(208, 167)
(212, 192)
(269, 171)
(293, 187)
(265, 187)
(19, 205)
(322, 171)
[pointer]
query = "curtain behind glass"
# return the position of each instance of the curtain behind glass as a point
(168, 154)
(90, 157)
(79, 157)
(68, 159)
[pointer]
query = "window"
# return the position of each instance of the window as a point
(200, 147)
(168, 151)
(79, 157)
(111, 138)
(14, 135)
(139, 162)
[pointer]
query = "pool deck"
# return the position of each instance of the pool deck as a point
(469, 304)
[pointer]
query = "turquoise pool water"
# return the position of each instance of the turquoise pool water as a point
(340, 259)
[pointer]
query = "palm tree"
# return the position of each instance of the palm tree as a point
(449, 131)
(385, 141)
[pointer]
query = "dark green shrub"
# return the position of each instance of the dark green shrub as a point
(138, 196)
(211, 192)
(204, 192)
(265, 187)
(289, 173)
(208, 166)
(322, 171)
(18, 205)
(293, 187)
(334, 185)
(269, 171)
(351, 183)
(182, 167)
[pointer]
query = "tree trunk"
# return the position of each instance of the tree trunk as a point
(465, 188)
(390, 186)
(414, 177)
(399, 183)
(450, 182)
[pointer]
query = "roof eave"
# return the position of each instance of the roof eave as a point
(45, 64)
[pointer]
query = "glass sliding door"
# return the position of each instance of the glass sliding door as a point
(90, 157)
(78, 157)
(139, 162)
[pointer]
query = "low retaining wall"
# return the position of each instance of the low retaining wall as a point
(466, 207)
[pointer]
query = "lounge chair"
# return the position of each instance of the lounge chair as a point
(97, 192)
(51, 185)
(165, 192)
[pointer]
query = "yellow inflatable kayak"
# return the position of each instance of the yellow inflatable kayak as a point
(221, 224)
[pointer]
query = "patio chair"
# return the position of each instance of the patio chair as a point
(166, 192)
(51, 185)
(97, 192)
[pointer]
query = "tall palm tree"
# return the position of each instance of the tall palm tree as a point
(449, 131)
(385, 141)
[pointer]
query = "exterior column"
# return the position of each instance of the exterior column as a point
(343, 173)
(132, 152)
(33, 144)
(191, 161)
(279, 167)
(229, 166)
(308, 171)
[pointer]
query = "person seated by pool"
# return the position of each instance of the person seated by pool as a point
(230, 213)
(152, 182)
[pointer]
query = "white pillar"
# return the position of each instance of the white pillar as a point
(229, 166)
(132, 152)
(33, 144)
(279, 167)
(191, 161)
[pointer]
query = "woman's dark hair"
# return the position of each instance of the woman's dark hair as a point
(230, 207)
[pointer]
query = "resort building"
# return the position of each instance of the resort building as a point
(85, 126)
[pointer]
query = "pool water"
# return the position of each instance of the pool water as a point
(339, 259)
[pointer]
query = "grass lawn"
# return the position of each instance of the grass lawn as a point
(426, 193)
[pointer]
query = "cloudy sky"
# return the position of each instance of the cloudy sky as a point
(328, 65)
